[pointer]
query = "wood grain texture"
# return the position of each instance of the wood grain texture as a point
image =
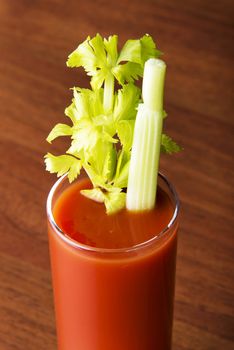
(197, 38)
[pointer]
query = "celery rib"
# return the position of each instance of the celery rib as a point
(143, 171)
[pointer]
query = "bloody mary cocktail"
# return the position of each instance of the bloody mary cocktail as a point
(113, 236)
(113, 276)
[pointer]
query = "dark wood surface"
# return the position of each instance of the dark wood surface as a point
(197, 39)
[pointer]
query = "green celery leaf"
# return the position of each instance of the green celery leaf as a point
(127, 72)
(74, 171)
(122, 159)
(139, 50)
(95, 194)
(91, 55)
(106, 122)
(102, 160)
(83, 56)
(148, 48)
(114, 201)
(122, 179)
(126, 102)
(109, 164)
(88, 103)
(168, 145)
(82, 103)
(96, 179)
(63, 164)
(111, 48)
(59, 130)
(91, 123)
(98, 78)
(71, 112)
(131, 52)
(135, 53)
(125, 129)
(122, 169)
(85, 137)
(96, 158)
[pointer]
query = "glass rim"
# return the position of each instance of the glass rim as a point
(84, 247)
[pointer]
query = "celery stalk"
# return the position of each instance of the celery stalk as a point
(144, 163)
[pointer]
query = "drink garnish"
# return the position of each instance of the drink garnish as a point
(143, 171)
(103, 117)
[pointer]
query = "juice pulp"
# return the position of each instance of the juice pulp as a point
(112, 300)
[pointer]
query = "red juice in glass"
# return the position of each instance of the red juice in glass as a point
(113, 275)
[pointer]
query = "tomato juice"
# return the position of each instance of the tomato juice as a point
(113, 276)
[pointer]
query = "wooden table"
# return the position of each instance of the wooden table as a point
(195, 35)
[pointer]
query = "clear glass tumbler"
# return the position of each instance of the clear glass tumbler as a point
(113, 299)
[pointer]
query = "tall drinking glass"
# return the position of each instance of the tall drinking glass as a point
(113, 299)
